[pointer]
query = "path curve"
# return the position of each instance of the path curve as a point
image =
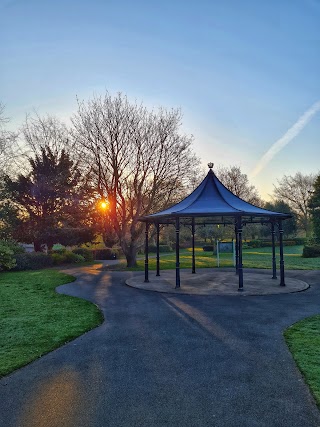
(169, 360)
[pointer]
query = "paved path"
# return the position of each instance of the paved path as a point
(169, 360)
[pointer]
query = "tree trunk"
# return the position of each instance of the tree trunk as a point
(131, 256)
(49, 246)
(37, 246)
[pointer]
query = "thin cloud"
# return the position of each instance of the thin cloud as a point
(286, 138)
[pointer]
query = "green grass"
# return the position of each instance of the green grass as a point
(252, 258)
(303, 340)
(34, 319)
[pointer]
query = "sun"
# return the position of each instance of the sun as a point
(104, 205)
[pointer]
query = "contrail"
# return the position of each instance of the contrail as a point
(286, 138)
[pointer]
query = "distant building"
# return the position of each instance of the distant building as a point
(28, 247)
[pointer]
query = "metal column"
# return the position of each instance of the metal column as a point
(282, 283)
(158, 250)
(240, 266)
(274, 261)
(193, 253)
(177, 253)
(237, 249)
(146, 261)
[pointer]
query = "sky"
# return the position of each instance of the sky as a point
(244, 73)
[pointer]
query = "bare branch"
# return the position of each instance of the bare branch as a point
(142, 161)
(296, 191)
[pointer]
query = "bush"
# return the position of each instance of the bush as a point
(208, 248)
(60, 251)
(312, 241)
(86, 253)
(254, 244)
(57, 259)
(311, 251)
(162, 248)
(268, 243)
(300, 240)
(32, 261)
(71, 257)
(104, 254)
(62, 256)
(13, 246)
(289, 243)
(7, 260)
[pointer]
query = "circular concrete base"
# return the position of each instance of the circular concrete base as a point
(216, 282)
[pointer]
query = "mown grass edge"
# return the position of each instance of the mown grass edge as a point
(303, 341)
(35, 319)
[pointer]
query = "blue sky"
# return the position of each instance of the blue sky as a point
(243, 72)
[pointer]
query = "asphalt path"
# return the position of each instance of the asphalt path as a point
(169, 360)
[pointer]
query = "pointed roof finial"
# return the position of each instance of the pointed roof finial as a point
(210, 165)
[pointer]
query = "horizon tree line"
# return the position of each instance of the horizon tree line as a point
(136, 159)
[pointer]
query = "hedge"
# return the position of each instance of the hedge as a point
(66, 257)
(162, 248)
(32, 261)
(104, 254)
(300, 240)
(268, 243)
(38, 260)
(86, 253)
(311, 251)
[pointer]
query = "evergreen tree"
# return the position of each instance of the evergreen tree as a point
(314, 206)
(55, 204)
(289, 225)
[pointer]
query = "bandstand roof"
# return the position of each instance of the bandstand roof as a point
(212, 199)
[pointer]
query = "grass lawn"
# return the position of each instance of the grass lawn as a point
(34, 319)
(303, 340)
(252, 258)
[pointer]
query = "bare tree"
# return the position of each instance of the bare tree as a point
(38, 134)
(296, 191)
(238, 183)
(47, 132)
(141, 161)
(7, 139)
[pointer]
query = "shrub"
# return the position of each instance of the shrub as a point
(289, 243)
(70, 257)
(60, 251)
(7, 260)
(208, 248)
(184, 245)
(312, 241)
(300, 240)
(86, 253)
(32, 261)
(14, 246)
(165, 248)
(254, 244)
(268, 243)
(57, 259)
(162, 248)
(311, 251)
(65, 257)
(104, 254)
